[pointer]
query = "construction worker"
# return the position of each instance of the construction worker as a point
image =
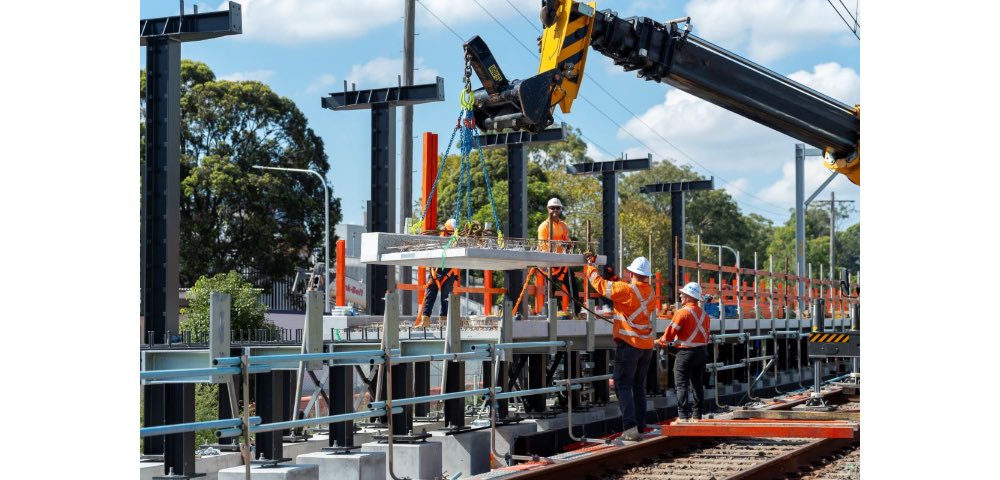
(441, 280)
(553, 228)
(634, 314)
(689, 331)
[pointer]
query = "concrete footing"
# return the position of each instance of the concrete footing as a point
(466, 452)
(507, 435)
(347, 466)
(280, 472)
(419, 461)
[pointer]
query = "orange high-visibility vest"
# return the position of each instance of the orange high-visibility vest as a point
(560, 233)
(690, 325)
(434, 271)
(634, 305)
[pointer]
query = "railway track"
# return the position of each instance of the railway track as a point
(735, 458)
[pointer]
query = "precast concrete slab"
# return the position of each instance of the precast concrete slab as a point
(419, 461)
(209, 465)
(378, 248)
(466, 452)
(507, 435)
(283, 471)
(347, 466)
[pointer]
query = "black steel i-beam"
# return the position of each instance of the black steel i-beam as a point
(341, 401)
(609, 197)
(160, 211)
(517, 187)
(380, 279)
(676, 191)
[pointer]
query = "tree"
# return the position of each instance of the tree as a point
(232, 215)
(246, 310)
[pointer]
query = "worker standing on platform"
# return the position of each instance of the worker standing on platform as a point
(634, 314)
(690, 327)
(441, 280)
(553, 228)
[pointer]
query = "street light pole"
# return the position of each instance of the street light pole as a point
(326, 229)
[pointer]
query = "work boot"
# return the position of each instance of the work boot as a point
(680, 420)
(694, 420)
(423, 321)
(631, 435)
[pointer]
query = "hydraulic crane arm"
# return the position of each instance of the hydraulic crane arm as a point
(667, 53)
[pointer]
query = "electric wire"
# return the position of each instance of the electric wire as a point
(605, 115)
(844, 19)
(636, 117)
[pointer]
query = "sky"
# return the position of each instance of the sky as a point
(305, 50)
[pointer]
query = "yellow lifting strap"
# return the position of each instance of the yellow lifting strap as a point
(564, 47)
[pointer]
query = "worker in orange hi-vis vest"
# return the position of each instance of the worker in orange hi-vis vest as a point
(441, 280)
(689, 330)
(634, 322)
(560, 234)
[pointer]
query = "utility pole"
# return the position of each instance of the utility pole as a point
(406, 196)
(833, 229)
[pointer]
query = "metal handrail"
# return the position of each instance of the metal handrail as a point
(511, 346)
(431, 398)
(305, 422)
(192, 427)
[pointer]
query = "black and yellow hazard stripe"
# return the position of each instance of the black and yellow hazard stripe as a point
(820, 337)
(573, 45)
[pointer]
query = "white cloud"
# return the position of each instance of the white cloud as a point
(292, 21)
(769, 29)
(743, 152)
(597, 154)
(382, 71)
(321, 83)
(259, 75)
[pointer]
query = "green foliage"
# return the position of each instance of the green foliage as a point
(247, 312)
(206, 407)
(233, 215)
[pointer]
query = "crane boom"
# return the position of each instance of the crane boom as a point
(667, 53)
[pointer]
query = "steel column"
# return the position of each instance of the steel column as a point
(677, 221)
(454, 409)
(602, 393)
(609, 214)
(341, 401)
(402, 423)
(421, 387)
(178, 452)
(536, 379)
(517, 216)
(271, 405)
(381, 211)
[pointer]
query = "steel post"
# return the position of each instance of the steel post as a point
(454, 409)
(342, 401)
(602, 393)
(421, 387)
(517, 216)
(271, 406)
(536, 379)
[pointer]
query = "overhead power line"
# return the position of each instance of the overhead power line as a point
(606, 116)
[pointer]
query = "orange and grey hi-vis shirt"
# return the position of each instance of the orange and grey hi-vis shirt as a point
(690, 326)
(634, 305)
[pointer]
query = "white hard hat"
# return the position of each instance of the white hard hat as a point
(640, 266)
(554, 202)
(450, 224)
(693, 290)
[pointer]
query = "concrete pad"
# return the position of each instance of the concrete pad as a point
(419, 461)
(209, 465)
(467, 452)
(507, 435)
(346, 466)
(281, 472)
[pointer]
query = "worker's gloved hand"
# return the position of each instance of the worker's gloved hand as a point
(590, 257)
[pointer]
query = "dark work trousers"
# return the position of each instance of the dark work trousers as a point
(689, 375)
(432, 290)
(564, 277)
(630, 383)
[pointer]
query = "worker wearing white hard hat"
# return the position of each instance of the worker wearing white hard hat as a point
(442, 280)
(634, 316)
(553, 236)
(689, 330)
